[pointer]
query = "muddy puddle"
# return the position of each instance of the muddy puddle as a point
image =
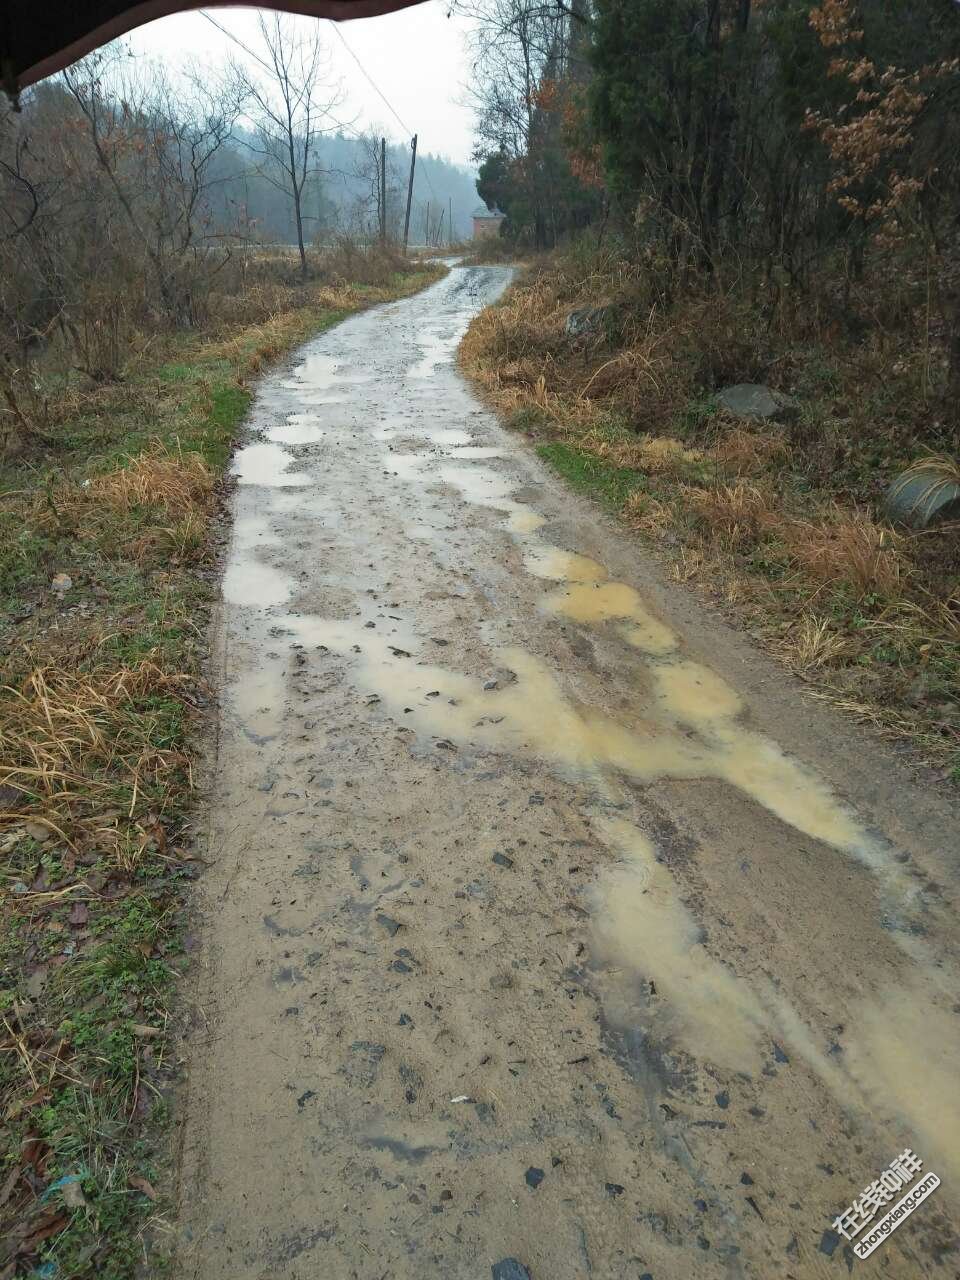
(437, 348)
(644, 935)
(269, 465)
(299, 428)
(320, 372)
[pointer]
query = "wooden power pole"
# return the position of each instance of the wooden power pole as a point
(413, 165)
(450, 221)
(383, 190)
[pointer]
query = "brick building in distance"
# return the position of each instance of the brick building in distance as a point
(487, 222)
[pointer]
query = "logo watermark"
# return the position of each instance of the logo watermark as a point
(901, 1172)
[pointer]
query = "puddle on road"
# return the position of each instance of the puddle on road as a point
(251, 583)
(642, 931)
(299, 428)
(436, 350)
(596, 602)
(524, 519)
(257, 699)
(899, 1052)
(903, 1050)
(534, 717)
(562, 566)
(694, 694)
(249, 580)
(486, 488)
(422, 532)
(451, 436)
(320, 372)
(489, 489)
(267, 464)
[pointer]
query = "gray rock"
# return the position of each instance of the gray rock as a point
(585, 320)
(828, 1243)
(921, 497)
(509, 1269)
(753, 400)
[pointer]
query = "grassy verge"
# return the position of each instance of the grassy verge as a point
(105, 576)
(779, 522)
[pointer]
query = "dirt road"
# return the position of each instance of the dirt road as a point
(546, 920)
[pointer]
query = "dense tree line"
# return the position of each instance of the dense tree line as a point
(777, 138)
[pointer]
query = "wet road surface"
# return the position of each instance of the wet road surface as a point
(545, 919)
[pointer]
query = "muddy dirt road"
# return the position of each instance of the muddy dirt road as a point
(546, 920)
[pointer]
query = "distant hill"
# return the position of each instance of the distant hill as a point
(342, 194)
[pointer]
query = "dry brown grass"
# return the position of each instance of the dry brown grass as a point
(750, 452)
(736, 515)
(654, 455)
(774, 521)
(75, 750)
(157, 501)
(648, 514)
(846, 545)
(179, 482)
(813, 643)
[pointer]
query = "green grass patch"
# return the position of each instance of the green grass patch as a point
(589, 474)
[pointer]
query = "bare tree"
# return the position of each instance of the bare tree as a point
(291, 105)
(154, 147)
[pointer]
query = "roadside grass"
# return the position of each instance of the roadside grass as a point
(106, 577)
(587, 473)
(778, 522)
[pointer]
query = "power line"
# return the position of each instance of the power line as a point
(366, 75)
(237, 41)
(343, 39)
(380, 94)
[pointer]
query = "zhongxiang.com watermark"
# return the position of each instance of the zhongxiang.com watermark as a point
(902, 1171)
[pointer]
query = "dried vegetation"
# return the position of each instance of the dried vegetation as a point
(780, 521)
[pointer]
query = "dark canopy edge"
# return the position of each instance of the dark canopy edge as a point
(38, 39)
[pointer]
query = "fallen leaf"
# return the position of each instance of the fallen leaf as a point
(49, 1228)
(144, 1032)
(12, 1178)
(79, 913)
(141, 1184)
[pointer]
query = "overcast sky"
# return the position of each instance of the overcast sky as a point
(415, 57)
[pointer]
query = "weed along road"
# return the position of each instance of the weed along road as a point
(547, 925)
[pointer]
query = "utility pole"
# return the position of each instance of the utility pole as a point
(383, 190)
(450, 221)
(440, 227)
(426, 225)
(413, 165)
